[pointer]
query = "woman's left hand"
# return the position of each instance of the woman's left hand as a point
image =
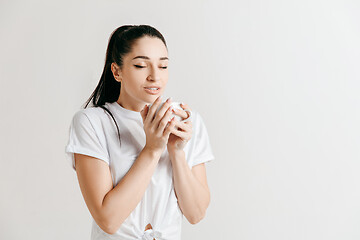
(179, 138)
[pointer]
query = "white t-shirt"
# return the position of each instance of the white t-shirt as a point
(93, 132)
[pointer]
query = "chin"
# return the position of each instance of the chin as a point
(151, 99)
(155, 96)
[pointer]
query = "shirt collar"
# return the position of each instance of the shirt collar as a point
(125, 112)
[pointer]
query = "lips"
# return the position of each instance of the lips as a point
(152, 91)
(153, 87)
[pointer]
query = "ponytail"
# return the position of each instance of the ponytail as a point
(120, 44)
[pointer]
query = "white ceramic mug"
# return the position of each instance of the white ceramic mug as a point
(175, 105)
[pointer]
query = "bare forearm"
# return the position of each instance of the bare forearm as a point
(122, 199)
(193, 197)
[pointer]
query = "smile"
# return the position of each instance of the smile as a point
(152, 90)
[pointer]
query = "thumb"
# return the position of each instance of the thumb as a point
(143, 112)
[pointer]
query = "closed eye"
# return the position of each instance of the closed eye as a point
(144, 67)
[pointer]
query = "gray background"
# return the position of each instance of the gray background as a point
(277, 83)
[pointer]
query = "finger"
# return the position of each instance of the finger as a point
(185, 126)
(169, 128)
(187, 116)
(152, 110)
(184, 114)
(189, 123)
(143, 112)
(165, 120)
(180, 113)
(163, 109)
(185, 136)
(185, 106)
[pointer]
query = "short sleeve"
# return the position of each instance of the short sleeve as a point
(83, 139)
(201, 149)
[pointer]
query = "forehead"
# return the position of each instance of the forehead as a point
(151, 47)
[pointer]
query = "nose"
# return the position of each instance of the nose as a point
(154, 74)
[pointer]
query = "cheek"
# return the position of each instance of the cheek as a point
(135, 77)
(136, 86)
(135, 80)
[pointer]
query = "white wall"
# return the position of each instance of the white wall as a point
(277, 83)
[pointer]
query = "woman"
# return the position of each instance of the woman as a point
(138, 172)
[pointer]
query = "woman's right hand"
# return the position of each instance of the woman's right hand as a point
(157, 129)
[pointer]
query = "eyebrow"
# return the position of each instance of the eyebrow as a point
(145, 57)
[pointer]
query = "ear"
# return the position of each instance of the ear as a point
(116, 72)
